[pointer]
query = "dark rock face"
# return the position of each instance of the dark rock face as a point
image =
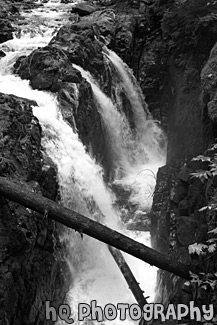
(80, 46)
(208, 80)
(47, 69)
(2, 54)
(5, 30)
(178, 223)
(29, 248)
(178, 70)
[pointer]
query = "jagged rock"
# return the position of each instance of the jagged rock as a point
(209, 83)
(184, 174)
(69, 102)
(20, 138)
(29, 267)
(83, 9)
(179, 194)
(124, 37)
(186, 231)
(2, 54)
(47, 69)
(186, 223)
(6, 30)
(48, 179)
(80, 46)
(183, 208)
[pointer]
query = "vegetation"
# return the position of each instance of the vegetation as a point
(205, 284)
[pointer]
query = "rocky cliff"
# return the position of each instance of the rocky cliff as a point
(184, 202)
(30, 252)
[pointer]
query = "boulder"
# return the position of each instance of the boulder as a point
(80, 46)
(84, 9)
(2, 54)
(186, 231)
(47, 68)
(6, 30)
(20, 138)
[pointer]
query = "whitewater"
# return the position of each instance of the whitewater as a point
(82, 187)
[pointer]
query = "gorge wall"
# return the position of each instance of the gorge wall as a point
(31, 256)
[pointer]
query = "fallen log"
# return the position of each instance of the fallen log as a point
(128, 275)
(20, 193)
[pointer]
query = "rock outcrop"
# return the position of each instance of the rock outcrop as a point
(179, 66)
(182, 215)
(30, 256)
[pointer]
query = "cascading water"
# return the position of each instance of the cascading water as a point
(140, 153)
(94, 272)
(119, 131)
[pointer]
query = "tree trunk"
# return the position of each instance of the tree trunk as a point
(20, 193)
(128, 275)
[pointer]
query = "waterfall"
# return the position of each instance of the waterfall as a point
(82, 186)
(148, 131)
(120, 134)
(139, 154)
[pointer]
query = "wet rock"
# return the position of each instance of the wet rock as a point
(159, 216)
(184, 174)
(46, 69)
(187, 224)
(209, 83)
(183, 208)
(140, 225)
(6, 30)
(20, 140)
(124, 37)
(84, 9)
(29, 267)
(2, 54)
(69, 102)
(80, 46)
(180, 193)
(196, 195)
(186, 231)
(48, 179)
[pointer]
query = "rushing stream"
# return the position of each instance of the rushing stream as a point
(95, 274)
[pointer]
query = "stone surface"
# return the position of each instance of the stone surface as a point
(178, 224)
(6, 30)
(83, 9)
(47, 68)
(30, 256)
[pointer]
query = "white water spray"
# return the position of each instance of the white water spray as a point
(138, 159)
(149, 142)
(120, 135)
(148, 131)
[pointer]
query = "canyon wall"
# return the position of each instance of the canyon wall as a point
(32, 260)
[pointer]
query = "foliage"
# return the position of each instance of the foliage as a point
(205, 284)
(206, 174)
